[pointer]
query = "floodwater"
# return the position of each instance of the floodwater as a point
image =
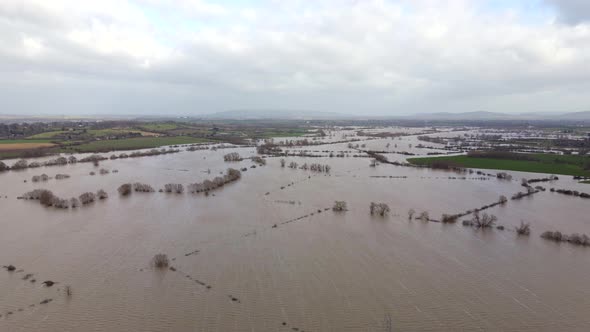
(324, 272)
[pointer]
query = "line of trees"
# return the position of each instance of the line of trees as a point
(48, 198)
(219, 181)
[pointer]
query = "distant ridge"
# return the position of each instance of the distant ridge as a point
(275, 114)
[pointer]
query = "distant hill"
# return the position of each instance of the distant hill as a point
(576, 116)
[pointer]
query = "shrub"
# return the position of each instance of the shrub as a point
(449, 218)
(259, 160)
(174, 188)
(523, 229)
(20, 164)
(74, 202)
(101, 194)
(46, 198)
(125, 189)
(381, 209)
(72, 160)
(142, 187)
(87, 198)
(424, 216)
(233, 156)
(160, 261)
(3, 167)
(339, 206)
(502, 199)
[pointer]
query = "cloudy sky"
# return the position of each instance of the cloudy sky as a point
(379, 57)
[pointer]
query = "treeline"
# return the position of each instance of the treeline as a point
(570, 192)
(48, 198)
(95, 158)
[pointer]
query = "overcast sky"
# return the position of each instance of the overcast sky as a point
(385, 57)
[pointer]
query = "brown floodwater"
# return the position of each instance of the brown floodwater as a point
(324, 272)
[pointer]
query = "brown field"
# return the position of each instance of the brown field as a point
(24, 146)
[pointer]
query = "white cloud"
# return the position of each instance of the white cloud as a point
(336, 55)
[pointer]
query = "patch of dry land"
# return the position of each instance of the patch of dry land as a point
(24, 146)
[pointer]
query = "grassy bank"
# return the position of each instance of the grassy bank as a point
(132, 143)
(538, 163)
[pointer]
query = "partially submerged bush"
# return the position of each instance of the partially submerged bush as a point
(21, 164)
(125, 189)
(259, 160)
(339, 206)
(523, 229)
(101, 194)
(142, 187)
(449, 218)
(3, 167)
(575, 238)
(424, 216)
(61, 176)
(74, 202)
(233, 156)
(104, 171)
(174, 188)
(381, 209)
(160, 261)
(87, 198)
(411, 213)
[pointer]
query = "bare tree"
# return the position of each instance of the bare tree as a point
(381, 209)
(523, 229)
(483, 221)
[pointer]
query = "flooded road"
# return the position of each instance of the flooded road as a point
(317, 270)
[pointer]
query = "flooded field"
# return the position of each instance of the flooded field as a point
(267, 253)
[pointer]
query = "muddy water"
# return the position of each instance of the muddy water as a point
(324, 272)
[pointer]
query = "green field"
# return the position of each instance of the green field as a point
(545, 163)
(48, 134)
(159, 126)
(132, 143)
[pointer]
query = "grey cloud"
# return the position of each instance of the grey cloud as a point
(572, 11)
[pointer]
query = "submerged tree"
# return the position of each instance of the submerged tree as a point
(523, 229)
(125, 189)
(87, 198)
(339, 206)
(483, 221)
(174, 188)
(101, 194)
(424, 216)
(381, 209)
(160, 261)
